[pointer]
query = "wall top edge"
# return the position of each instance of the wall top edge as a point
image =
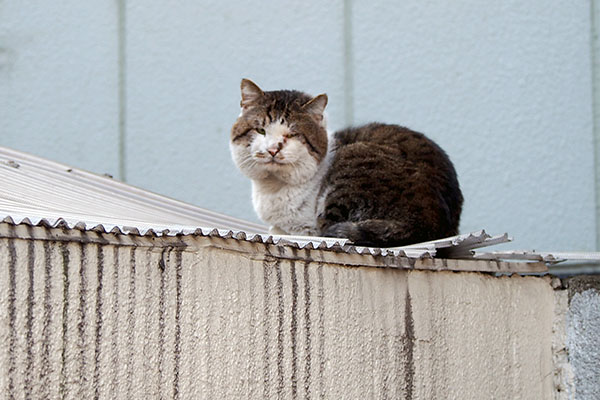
(258, 247)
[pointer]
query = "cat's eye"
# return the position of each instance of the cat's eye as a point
(260, 131)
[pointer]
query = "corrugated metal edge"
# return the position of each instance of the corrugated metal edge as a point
(458, 247)
(461, 246)
(303, 242)
(254, 247)
(547, 257)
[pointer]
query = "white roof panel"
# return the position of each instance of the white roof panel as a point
(35, 187)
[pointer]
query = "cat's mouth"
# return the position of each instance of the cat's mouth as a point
(275, 162)
(270, 160)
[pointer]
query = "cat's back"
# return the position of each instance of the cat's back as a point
(383, 150)
(389, 172)
(401, 143)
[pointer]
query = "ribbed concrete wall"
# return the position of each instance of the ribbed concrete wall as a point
(192, 320)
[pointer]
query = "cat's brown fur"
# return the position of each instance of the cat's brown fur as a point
(390, 186)
(377, 185)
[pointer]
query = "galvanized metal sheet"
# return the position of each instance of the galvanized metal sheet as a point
(38, 188)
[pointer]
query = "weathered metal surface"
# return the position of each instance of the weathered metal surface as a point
(548, 257)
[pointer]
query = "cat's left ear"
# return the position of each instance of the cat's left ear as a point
(316, 105)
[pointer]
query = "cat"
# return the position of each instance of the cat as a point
(378, 185)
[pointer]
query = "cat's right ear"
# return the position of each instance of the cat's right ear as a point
(250, 93)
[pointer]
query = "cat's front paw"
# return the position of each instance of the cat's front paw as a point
(342, 230)
(275, 230)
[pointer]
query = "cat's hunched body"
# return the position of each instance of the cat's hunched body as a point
(377, 185)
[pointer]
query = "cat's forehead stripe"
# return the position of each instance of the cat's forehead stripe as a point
(277, 128)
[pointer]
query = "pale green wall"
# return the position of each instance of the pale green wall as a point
(505, 88)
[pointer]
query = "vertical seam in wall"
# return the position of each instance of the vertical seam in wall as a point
(595, 60)
(122, 87)
(348, 65)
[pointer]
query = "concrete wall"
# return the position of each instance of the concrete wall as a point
(87, 314)
(148, 92)
(583, 334)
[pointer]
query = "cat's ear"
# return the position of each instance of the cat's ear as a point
(316, 106)
(250, 93)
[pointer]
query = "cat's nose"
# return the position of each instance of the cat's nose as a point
(274, 149)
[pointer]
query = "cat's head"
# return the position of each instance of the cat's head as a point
(279, 134)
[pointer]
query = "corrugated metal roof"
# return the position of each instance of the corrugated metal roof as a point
(40, 192)
(38, 188)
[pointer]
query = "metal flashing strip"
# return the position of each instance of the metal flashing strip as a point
(547, 257)
(461, 246)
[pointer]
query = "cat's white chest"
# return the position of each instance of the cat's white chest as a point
(291, 209)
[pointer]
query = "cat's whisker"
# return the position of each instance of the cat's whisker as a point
(248, 162)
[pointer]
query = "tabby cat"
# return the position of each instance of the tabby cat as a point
(377, 185)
